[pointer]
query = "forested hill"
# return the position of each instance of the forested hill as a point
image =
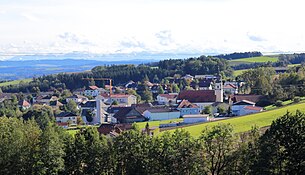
(238, 55)
(123, 73)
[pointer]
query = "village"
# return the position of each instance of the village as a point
(209, 99)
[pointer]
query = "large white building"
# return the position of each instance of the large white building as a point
(245, 107)
(94, 91)
(166, 99)
(121, 99)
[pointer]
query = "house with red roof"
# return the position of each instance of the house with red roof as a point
(188, 108)
(94, 91)
(23, 104)
(230, 89)
(202, 98)
(166, 99)
(121, 99)
(245, 107)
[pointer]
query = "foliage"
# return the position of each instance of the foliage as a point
(281, 148)
(245, 123)
(238, 55)
(124, 73)
(207, 110)
(25, 148)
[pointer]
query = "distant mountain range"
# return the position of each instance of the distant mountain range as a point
(28, 66)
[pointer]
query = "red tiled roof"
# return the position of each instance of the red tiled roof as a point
(168, 96)
(198, 96)
(230, 86)
(62, 123)
(254, 108)
(24, 103)
(93, 87)
(187, 104)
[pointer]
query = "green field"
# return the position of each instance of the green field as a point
(242, 124)
(15, 82)
(239, 72)
(257, 59)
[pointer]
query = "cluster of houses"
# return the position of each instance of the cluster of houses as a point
(208, 90)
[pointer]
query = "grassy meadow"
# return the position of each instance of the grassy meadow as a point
(15, 82)
(245, 123)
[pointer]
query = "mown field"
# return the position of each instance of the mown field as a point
(245, 123)
(15, 82)
(257, 59)
(239, 72)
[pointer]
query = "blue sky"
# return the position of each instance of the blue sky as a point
(155, 26)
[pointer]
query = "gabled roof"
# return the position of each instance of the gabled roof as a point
(24, 103)
(244, 102)
(93, 87)
(161, 110)
(253, 98)
(187, 104)
(122, 113)
(254, 108)
(199, 96)
(168, 96)
(89, 104)
(230, 86)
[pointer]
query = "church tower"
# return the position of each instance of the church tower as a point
(219, 91)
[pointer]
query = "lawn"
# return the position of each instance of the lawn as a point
(256, 59)
(242, 124)
(15, 82)
(239, 72)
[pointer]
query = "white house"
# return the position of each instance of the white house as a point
(245, 107)
(122, 99)
(187, 108)
(188, 119)
(230, 89)
(66, 117)
(94, 91)
(77, 98)
(166, 99)
(161, 114)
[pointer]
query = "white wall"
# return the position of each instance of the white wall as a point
(162, 115)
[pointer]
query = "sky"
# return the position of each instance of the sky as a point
(152, 26)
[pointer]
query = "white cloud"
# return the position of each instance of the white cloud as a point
(165, 37)
(102, 26)
(30, 17)
(255, 37)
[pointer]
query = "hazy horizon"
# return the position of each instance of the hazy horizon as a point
(154, 27)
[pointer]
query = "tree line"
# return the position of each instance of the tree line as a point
(27, 148)
(264, 81)
(238, 55)
(121, 74)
